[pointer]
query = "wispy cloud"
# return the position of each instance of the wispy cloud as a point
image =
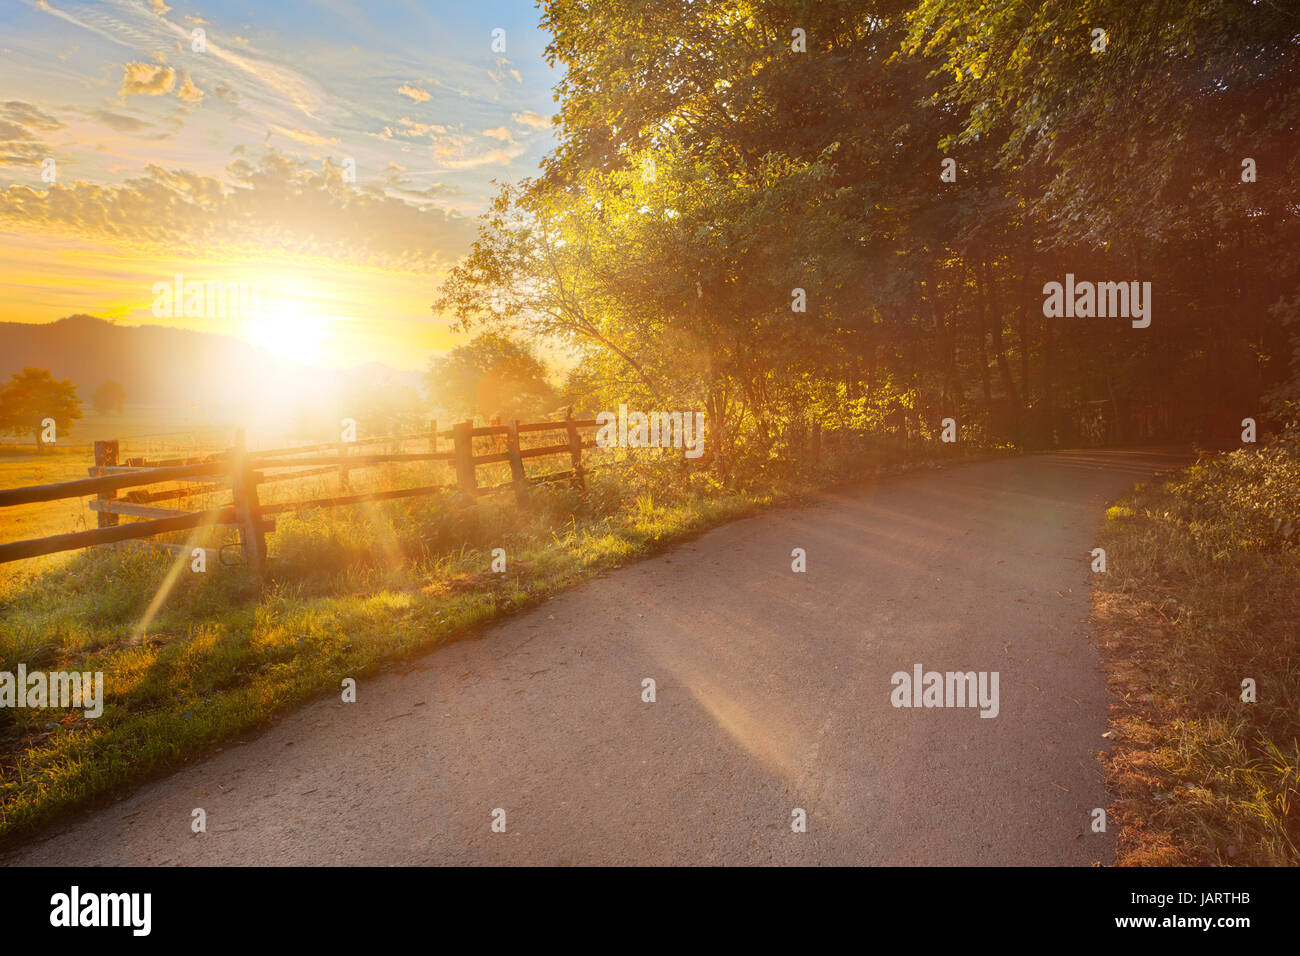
(449, 158)
(305, 136)
(276, 202)
(415, 93)
(531, 120)
(138, 28)
(119, 122)
(20, 126)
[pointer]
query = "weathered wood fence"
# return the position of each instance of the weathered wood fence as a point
(243, 471)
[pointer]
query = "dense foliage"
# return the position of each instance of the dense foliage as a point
(715, 157)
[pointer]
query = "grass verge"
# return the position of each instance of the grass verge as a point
(1202, 592)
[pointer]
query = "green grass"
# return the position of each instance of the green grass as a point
(1202, 591)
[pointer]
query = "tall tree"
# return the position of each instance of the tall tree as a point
(31, 397)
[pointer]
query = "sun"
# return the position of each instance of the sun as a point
(286, 324)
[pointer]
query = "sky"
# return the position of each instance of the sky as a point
(329, 156)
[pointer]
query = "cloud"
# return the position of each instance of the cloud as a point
(415, 93)
(17, 152)
(305, 136)
(147, 79)
(118, 122)
(273, 203)
(11, 132)
(189, 92)
(158, 7)
(531, 120)
(414, 130)
(20, 124)
(222, 91)
(448, 157)
(500, 133)
(32, 117)
(432, 191)
(141, 31)
(394, 175)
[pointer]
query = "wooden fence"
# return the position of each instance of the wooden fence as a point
(243, 471)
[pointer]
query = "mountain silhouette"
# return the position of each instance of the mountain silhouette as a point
(159, 365)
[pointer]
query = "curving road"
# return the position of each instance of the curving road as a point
(773, 693)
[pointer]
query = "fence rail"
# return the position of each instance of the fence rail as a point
(242, 471)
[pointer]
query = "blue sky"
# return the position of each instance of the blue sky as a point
(312, 79)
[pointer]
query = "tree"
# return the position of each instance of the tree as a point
(109, 397)
(384, 408)
(32, 396)
(493, 376)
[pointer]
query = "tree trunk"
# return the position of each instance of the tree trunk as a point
(999, 349)
(985, 381)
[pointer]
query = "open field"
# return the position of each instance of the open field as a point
(47, 517)
(144, 429)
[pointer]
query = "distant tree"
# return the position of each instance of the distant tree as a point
(109, 397)
(33, 395)
(491, 376)
(385, 408)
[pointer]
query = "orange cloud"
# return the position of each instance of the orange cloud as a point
(305, 136)
(189, 92)
(415, 93)
(19, 124)
(531, 120)
(147, 79)
(276, 204)
(449, 159)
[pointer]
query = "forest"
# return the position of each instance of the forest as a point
(840, 218)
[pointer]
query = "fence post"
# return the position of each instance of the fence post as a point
(343, 468)
(464, 449)
(106, 457)
(517, 464)
(252, 538)
(575, 450)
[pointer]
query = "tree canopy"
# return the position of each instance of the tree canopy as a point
(847, 214)
(110, 396)
(492, 377)
(32, 396)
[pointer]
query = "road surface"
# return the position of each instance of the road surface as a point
(773, 694)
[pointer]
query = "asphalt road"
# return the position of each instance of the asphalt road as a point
(773, 693)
